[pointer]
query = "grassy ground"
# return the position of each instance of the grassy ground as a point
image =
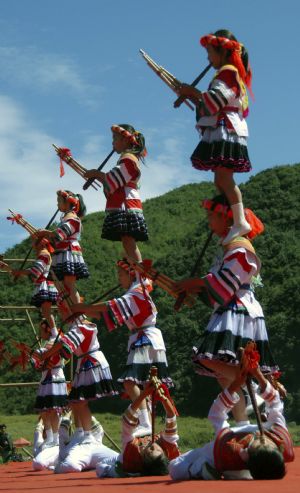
(194, 432)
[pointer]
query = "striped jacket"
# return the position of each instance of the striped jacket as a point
(39, 271)
(121, 183)
(230, 278)
(67, 234)
(231, 442)
(225, 100)
(82, 340)
(137, 311)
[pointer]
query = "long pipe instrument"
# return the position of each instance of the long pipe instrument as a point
(181, 99)
(90, 181)
(29, 251)
(76, 166)
(165, 76)
(182, 296)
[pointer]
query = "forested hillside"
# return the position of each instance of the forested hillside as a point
(178, 229)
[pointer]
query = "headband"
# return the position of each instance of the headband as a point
(235, 57)
(130, 136)
(257, 227)
(73, 201)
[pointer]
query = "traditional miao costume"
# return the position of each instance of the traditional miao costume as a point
(221, 116)
(237, 317)
(92, 379)
(124, 210)
(227, 452)
(52, 391)
(67, 260)
(39, 274)
(131, 457)
(146, 345)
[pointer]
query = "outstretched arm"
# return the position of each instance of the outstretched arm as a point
(90, 310)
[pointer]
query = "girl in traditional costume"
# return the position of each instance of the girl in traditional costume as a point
(124, 220)
(221, 113)
(229, 288)
(45, 293)
(67, 260)
(146, 345)
(52, 392)
(92, 378)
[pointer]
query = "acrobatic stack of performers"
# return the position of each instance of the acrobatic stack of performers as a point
(237, 316)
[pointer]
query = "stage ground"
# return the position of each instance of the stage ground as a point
(18, 477)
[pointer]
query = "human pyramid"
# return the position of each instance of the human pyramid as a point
(243, 451)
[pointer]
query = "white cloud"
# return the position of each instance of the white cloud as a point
(46, 71)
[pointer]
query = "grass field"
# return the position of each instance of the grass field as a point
(193, 432)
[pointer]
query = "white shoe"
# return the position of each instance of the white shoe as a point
(238, 230)
(142, 431)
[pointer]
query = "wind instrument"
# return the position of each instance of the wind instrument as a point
(166, 283)
(90, 181)
(165, 76)
(19, 219)
(65, 156)
(181, 99)
(199, 259)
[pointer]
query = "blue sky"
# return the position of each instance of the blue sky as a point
(69, 69)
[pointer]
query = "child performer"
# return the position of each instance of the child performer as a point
(124, 219)
(92, 379)
(141, 455)
(221, 113)
(67, 261)
(240, 453)
(145, 346)
(237, 316)
(45, 293)
(52, 392)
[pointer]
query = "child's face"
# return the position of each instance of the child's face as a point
(217, 223)
(120, 142)
(124, 278)
(44, 332)
(216, 58)
(62, 203)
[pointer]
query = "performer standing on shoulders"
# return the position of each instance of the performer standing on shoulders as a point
(45, 293)
(221, 121)
(68, 263)
(92, 379)
(52, 392)
(145, 346)
(237, 316)
(124, 219)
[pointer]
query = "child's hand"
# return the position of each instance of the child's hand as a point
(77, 308)
(192, 285)
(188, 91)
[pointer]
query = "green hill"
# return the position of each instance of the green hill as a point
(178, 229)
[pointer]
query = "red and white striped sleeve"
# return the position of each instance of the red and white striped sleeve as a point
(68, 228)
(222, 91)
(125, 171)
(237, 268)
(222, 405)
(39, 267)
